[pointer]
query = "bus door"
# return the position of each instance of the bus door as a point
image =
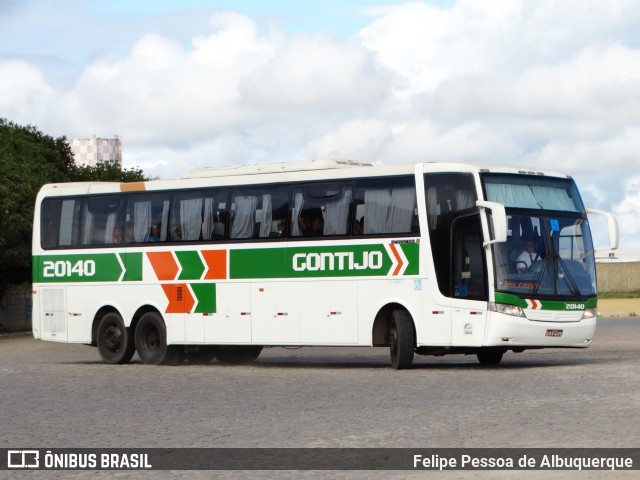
(52, 314)
(455, 237)
(468, 290)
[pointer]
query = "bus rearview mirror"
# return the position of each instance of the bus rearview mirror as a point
(498, 219)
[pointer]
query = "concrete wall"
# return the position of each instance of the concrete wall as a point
(618, 277)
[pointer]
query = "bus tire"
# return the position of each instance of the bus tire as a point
(234, 354)
(115, 341)
(151, 341)
(490, 357)
(402, 340)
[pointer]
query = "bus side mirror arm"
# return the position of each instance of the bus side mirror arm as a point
(498, 221)
(614, 236)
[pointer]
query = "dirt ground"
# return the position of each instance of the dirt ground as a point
(619, 307)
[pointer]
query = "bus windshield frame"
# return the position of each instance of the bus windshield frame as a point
(549, 250)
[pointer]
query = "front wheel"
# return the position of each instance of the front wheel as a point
(151, 341)
(115, 342)
(402, 340)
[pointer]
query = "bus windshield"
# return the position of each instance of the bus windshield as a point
(546, 256)
(533, 192)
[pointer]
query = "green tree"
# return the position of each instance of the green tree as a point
(106, 172)
(28, 160)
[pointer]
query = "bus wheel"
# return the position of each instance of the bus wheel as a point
(115, 343)
(151, 341)
(402, 340)
(490, 357)
(233, 354)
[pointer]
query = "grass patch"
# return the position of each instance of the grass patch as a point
(634, 294)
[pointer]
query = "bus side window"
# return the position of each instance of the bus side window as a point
(59, 222)
(198, 216)
(261, 214)
(383, 209)
(102, 216)
(321, 210)
(147, 218)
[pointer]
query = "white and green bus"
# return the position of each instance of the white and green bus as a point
(423, 258)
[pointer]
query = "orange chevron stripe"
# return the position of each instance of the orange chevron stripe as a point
(398, 258)
(216, 260)
(180, 298)
(164, 265)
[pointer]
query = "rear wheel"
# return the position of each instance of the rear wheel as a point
(115, 343)
(490, 357)
(151, 341)
(402, 340)
(237, 354)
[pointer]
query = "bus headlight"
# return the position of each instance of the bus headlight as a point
(589, 313)
(513, 310)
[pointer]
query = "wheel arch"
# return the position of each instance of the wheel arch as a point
(382, 323)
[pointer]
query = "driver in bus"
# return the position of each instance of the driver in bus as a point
(527, 257)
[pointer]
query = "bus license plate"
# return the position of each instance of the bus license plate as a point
(553, 333)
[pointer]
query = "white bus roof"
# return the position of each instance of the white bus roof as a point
(284, 172)
(279, 167)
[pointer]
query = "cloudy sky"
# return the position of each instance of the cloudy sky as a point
(192, 83)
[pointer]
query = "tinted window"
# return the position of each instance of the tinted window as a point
(259, 213)
(198, 215)
(386, 207)
(321, 210)
(147, 218)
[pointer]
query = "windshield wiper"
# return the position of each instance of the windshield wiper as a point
(538, 278)
(567, 277)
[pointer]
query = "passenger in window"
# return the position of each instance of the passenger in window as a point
(527, 257)
(279, 230)
(117, 235)
(177, 233)
(154, 234)
(311, 222)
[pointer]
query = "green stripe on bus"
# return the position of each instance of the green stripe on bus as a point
(89, 267)
(320, 261)
(294, 262)
(133, 266)
(206, 297)
(192, 265)
(411, 251)
(97, 267)
(511, 299)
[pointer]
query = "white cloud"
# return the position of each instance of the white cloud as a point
(24, 93)
(626, 212)
(318, 73)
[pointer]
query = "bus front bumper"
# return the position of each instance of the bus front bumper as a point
(519, 332)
